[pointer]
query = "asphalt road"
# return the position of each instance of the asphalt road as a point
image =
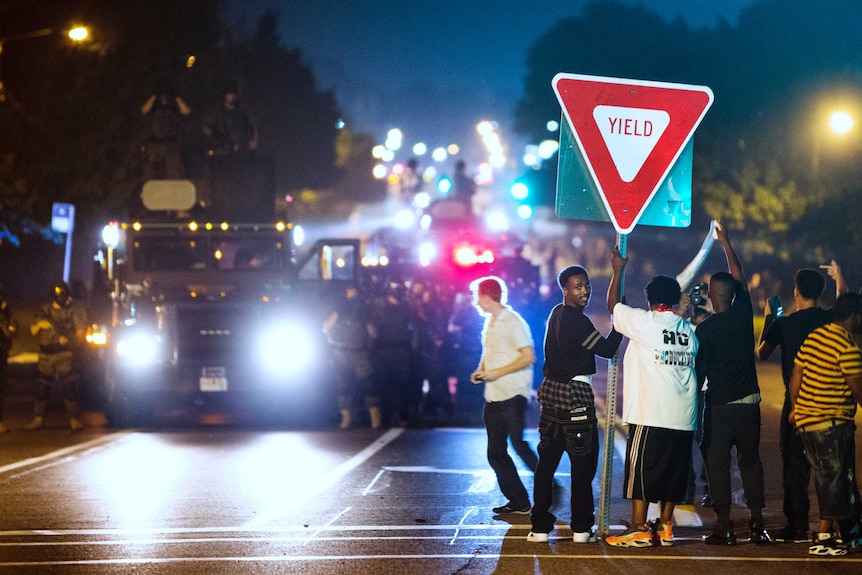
(213, 498)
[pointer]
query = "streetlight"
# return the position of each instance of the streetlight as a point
(841, 122)
(77, 34)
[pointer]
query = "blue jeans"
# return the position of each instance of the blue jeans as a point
(504, 421)
(580, 441)
(832, 455)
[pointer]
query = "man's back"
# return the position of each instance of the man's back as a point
(790, 331)
(726, 353)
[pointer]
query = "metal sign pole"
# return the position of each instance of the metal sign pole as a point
(610, 421)
(67, 262)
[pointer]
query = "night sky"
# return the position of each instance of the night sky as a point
(390, 60)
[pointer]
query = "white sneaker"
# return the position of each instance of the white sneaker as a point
(584, 537)
(537, 537)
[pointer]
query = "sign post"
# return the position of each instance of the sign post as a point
(63, 221)
(630, 135)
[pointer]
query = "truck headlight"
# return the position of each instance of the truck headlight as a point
(288, 348)
(138, 348)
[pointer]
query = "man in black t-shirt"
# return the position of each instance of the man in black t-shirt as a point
(567, 418)
(788, 333)
(725, 360)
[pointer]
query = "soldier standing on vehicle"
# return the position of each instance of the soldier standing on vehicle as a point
(61, 330)
(8, 332)
(231, 130)
(164, 113)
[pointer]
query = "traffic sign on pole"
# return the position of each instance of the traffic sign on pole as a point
(630, 134)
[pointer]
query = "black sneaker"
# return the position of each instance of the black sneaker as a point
(509, 509)
(825, 545)
(790, 534)
(757, 533)
(721, 535)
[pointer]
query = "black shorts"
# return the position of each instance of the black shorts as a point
(657, 464)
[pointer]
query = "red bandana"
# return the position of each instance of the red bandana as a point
(663, 307)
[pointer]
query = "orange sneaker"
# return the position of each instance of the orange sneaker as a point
(634, 536)
(663, 532)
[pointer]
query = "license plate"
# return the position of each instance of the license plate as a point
(213, 379)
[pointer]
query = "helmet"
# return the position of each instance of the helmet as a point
(60, 293)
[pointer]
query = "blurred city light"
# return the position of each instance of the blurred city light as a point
(298, 235)
(548, 148)
(552, 126)
(111, 235)
(841, 122)
(427, 253)
(420, 149)
(496, 221)
(484, 127)
(531, 157)
(486, 174)
(394, 139)
(444, 185)
(525, 212)
(421, 200)
(519, 191)
(404, 219)
(379, 171)
(439, 154)
(453, 149)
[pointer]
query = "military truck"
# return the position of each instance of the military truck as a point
(206, 312)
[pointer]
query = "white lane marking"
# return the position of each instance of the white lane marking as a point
(367, 490)
(66, 451)
(282, 507)
(328, 523)
(469, 512)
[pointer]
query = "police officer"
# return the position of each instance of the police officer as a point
(350, 333)
(61, 330)
(8, 332)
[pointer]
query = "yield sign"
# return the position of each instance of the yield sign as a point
(630, 133)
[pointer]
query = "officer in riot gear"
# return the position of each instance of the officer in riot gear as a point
(8, 332)
(60, 329)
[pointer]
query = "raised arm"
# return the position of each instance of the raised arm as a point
(833, 270)
(618, 263)
(734, 266)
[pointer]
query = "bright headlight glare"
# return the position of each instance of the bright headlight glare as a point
(288, 349)
(138, 348)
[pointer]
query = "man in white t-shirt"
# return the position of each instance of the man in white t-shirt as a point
(659, 404)
(506, 369)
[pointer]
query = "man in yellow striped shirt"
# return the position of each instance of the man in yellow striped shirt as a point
(825, 386)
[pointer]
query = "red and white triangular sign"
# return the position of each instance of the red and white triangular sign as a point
(630, 133)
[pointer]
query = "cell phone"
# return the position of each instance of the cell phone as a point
(775, 306)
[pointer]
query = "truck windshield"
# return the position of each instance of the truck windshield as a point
(198, 253)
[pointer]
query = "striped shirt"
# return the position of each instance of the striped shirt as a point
(826, 357)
